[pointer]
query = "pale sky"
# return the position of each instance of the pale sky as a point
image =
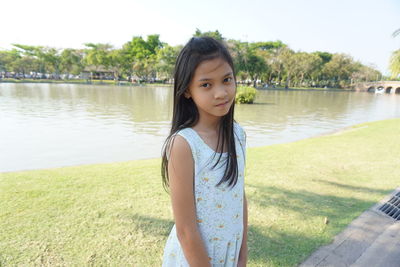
(361, 28)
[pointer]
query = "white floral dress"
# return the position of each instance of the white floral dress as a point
(219, 210)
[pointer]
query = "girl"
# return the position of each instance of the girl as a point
(203, 161)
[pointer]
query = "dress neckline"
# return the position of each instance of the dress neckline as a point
(204, 143)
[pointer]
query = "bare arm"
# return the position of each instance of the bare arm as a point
(243, 249)
(180, 171)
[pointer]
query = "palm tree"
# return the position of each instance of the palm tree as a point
(395, 59)
(395, 63)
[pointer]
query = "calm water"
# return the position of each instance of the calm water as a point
(49, 125)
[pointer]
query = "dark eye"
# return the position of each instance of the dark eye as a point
(205, 85)
(227, 79)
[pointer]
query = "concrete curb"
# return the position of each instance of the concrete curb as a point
(372, 239)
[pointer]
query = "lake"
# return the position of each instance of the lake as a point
(53, 125)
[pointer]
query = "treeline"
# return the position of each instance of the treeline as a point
(270, 63)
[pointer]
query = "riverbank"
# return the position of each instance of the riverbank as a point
(118, 214)
(82, 81)
(126, 83)
(307, 89)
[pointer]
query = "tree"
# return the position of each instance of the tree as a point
(154, 44)
(214, 34)
(117, 63)
(272, 45)
(141, 55)
(26, 65)
(339, 69)
(274, 61)
(32, 61)
(255, 64)
(166, 58)
(8, 59)
(51, 59)
(48, 58)
(325, 56)
(318, 75)
(148, 59)
(97, 55)
(395, 64)
(306, 65)
(28, 50)
(364, 73)
(71, 61)
(248, 60)
(289, 64)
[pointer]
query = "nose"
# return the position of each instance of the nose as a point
(221, 92)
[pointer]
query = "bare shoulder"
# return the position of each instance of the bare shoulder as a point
(180, 164)
(179, 147)
(181, 177)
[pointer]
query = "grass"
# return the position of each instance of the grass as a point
(118, 214)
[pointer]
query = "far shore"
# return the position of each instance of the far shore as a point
(126, 83)
(85, 82)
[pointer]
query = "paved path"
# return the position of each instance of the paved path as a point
(371, 240)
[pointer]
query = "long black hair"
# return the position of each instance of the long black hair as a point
(185, 113)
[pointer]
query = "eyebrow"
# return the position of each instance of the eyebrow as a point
(208, 79)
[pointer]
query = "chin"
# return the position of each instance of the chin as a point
(225, 112)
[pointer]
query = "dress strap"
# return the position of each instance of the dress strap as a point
(241, 136)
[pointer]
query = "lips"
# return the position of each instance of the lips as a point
(223, 103)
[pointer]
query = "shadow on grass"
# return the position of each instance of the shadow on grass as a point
(151, 225)
(287, 246)
(274, 244)
(309, 203)
(267, 245)
(355, 188)
(270, 246)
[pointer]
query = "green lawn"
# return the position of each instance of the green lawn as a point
(118, 214)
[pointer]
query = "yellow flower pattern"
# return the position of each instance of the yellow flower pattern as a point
(219, 210)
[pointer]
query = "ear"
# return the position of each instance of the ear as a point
(187, 94)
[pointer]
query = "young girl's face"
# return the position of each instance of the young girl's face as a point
(212, 88)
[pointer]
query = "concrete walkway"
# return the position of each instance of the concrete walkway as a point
(371, 240)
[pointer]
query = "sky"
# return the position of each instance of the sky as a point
(360, 28)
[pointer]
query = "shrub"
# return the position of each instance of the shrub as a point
(245, 94)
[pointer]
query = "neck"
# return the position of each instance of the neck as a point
(209, 124)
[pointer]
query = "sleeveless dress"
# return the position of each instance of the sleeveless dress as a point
(219, 210)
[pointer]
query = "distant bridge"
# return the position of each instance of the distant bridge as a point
(389, 87)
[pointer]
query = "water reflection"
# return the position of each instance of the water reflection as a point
(49, 125)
